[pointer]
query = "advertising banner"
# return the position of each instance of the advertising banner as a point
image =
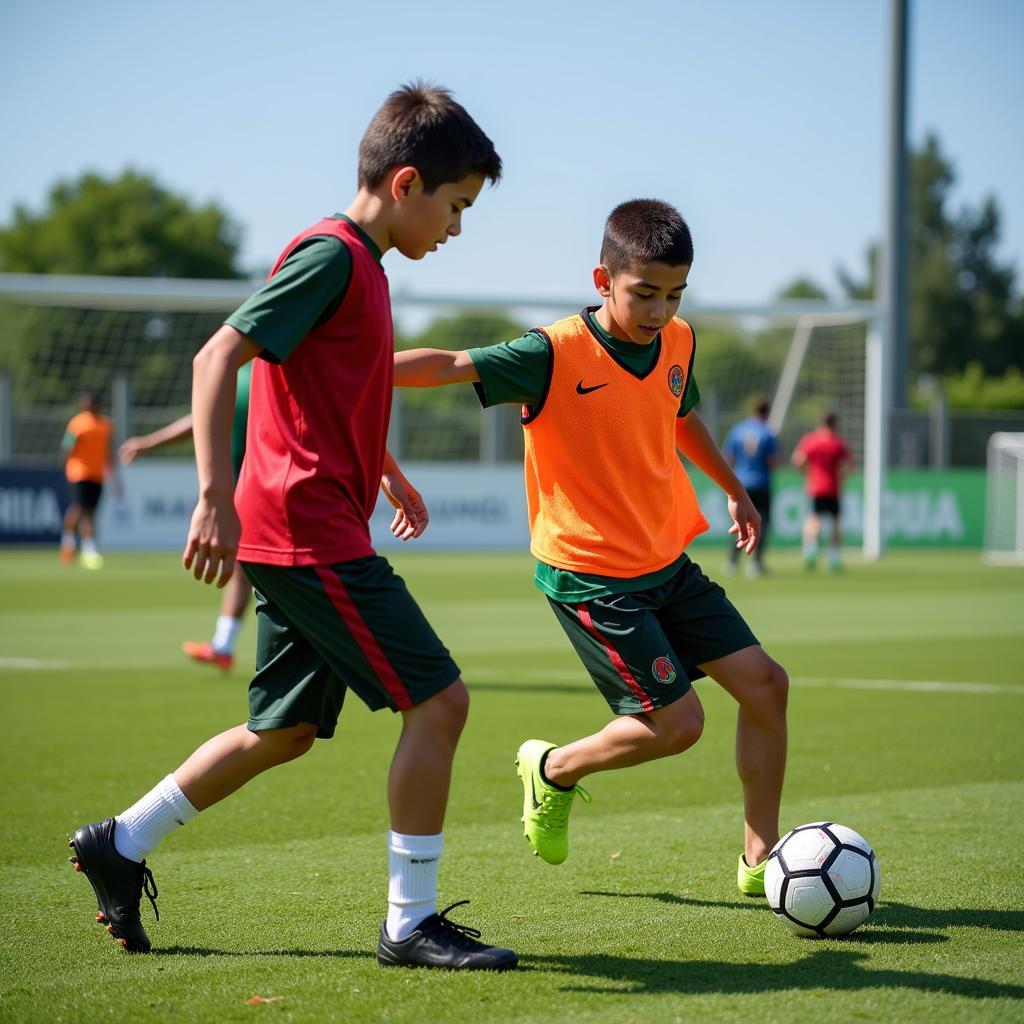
(484, 507)
(32, 504)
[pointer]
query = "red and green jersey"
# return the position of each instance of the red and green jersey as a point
(826, 454)
(320, 400)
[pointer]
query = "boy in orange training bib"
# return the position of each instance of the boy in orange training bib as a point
(608, 402)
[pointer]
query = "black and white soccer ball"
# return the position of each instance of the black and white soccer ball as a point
(822, 879)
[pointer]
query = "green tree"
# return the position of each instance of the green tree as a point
(802, 288)
(130, 226)
(124, 226)
(963, 303)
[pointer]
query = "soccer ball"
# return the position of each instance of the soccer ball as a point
(822, 879)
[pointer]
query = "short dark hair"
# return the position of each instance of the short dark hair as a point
(421, 125)
(762, 407)
(829, 419)
(645, 231)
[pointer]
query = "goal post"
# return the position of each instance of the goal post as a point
(1004, 500)
(133, 339)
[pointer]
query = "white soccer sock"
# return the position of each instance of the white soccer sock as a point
(225, 634)
(810, 549)
(412, 889)
(146, 822)
(833, 555)
(67, 539)
(88, 545)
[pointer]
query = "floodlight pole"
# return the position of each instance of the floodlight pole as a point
(887, 353)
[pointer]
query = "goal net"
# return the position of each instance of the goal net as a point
(133, 340)
(1004, 499)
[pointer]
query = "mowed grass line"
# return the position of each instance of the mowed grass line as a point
(279, 891)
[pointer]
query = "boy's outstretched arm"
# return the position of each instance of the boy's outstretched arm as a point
(411, 516)
(694, 441)
(214, 532)
(433, 367)
(176, 431)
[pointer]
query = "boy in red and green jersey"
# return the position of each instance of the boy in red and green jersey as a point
(331, 615)
(608, 404)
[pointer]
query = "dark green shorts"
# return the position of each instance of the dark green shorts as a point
(642, 649)
(322, 630)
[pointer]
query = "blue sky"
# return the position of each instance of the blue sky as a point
(764, 123)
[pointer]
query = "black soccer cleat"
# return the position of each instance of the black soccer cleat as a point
(118, 883)
(438, 942)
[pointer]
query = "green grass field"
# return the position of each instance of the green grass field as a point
(907, 711)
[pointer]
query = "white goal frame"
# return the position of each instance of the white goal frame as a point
(1004, 489)
(177, 294)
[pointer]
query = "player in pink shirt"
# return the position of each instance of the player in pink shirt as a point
(825, 460)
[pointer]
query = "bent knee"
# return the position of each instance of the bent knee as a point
(777, 683)
(683, 731)
(449, 709)
(287, 744)
(768, 689)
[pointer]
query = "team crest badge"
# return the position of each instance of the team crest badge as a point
(675, 380)
(663, 670)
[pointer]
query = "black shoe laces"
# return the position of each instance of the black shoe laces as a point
(149, 888)
(464, 936)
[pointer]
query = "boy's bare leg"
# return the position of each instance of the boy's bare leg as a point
(812, 529)
(71, 518)
(760, 686)
(629, 740)
(421, 769)
(236, 594)
(86, 528)
(228, 761)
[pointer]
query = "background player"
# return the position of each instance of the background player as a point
(825, 460)
(752, 450)
(219, 651)
(608, 403)
(87, 449)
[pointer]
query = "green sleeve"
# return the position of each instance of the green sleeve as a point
(691, 396)
(512, 372)
(306, 291)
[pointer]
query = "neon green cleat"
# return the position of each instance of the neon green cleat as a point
(545, 807)
(750, 880)
(90, 560)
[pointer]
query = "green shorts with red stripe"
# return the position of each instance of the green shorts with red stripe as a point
(644, 649)
(323, 630)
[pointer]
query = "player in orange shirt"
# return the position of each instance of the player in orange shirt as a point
(88, 461)
(608, 401)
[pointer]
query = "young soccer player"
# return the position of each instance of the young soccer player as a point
(331, 614)
(88, 462)
(825, 459)
(220, 650)
(608, 403)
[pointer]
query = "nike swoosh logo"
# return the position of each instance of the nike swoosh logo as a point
(581, 390)
(533, 793)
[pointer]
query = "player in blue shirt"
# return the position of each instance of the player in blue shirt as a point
(752, 449)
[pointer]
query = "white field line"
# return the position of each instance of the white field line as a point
(897, 685)
(563, 675)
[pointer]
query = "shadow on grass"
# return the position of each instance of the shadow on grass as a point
(895, 933)
(830, 969)
(901, 916)
(325, 954)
